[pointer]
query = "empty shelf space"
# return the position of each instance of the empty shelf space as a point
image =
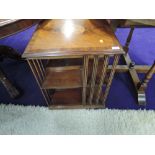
(64, 62)
(70, 99)
(67, 97)
(62, 79)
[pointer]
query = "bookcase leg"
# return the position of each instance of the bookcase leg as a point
(38, 74)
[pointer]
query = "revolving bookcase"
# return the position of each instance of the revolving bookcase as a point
(74, 62)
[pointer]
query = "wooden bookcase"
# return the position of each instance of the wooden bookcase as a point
(72, 71)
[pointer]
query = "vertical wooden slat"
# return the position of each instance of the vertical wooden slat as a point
(85, 76)
(40, 69)
(42, 66)
(93, 79)
(115, 62)
(102, 78)
(37, 71)
(33, 66)
(41, 77)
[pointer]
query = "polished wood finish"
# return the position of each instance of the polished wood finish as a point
(93, 79)
(65, 78)
(125, 68)
(126, 47)
(116, 59)
(148, 76)
(124, 23)
(134, 75)
(72, 37)
(102, 79)
(77, 53)
(11, 26)
(75, 106)
(67, 97)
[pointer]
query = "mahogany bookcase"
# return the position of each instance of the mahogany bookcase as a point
(74, 62)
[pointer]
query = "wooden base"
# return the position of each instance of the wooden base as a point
(52, 107)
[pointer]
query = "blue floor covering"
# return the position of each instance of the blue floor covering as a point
(122, 94)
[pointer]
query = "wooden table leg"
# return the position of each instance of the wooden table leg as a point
(132, 71)
(148, 76)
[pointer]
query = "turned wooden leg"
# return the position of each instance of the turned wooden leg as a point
(126, 47)
(148, 76)
(8, 52)
(11, 89)
(132, 71)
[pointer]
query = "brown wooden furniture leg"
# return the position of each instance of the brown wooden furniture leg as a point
(143, 85)
(8, 52)
(131, 67)
(11, 89)
(140, 92)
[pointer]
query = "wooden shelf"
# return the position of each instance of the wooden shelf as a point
(64, 62)
(62, 79)
(70, 99)
(67, 97)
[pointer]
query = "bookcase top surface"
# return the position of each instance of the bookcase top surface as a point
(62, 37)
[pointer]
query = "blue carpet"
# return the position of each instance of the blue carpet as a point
(122, 95)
